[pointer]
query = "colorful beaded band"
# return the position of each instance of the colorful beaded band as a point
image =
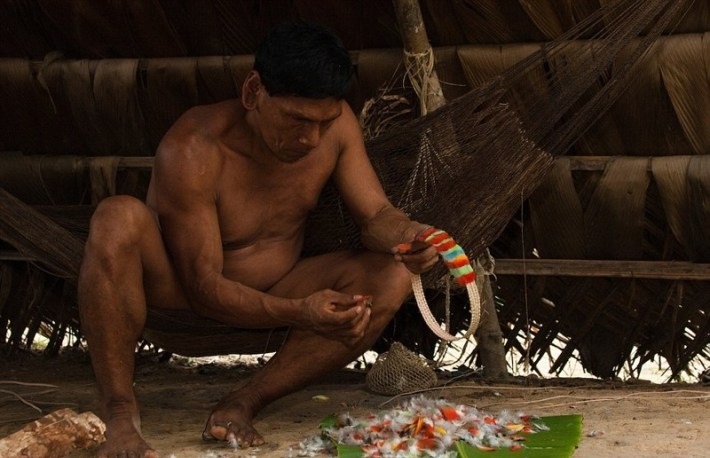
(452, 254)
(459, 267)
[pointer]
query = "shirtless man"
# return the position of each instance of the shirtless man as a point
(244, 174)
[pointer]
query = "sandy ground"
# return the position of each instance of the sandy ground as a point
(620, 419)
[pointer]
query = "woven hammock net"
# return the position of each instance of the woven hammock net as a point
(467, 166)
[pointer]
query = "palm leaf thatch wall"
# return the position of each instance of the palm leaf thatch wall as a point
(88, 86)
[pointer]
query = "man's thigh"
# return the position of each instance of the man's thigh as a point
(160, 281)
(344, 271)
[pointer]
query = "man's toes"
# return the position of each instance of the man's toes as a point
(215, 432)
(255, 439)
(258, 440)
(246, 438)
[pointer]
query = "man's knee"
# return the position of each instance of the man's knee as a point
(120, 214)
(391, 279)
(399, 278)
(117, 218)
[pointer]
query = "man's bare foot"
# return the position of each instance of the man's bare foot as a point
(124, 440)
(231, 421)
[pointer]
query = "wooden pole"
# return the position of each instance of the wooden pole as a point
(418, 55)
(419, 62)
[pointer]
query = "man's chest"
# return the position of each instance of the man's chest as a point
(268, 209)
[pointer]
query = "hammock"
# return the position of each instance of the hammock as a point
(466, 167)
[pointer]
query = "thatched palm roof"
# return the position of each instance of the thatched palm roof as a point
(103, 79)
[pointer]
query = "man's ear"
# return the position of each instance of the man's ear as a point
(250, 90)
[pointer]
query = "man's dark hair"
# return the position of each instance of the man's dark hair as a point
(303, 60)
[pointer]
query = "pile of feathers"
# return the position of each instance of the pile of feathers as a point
(422, 427)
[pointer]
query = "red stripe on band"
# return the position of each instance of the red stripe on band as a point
(439, 238)
(447, 245)
(426, 233)
(464, 280)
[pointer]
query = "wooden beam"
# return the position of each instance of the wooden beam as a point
(138, 162)
(662, 270)
(128, 162)
(594, 163)
(8, 255)
(588, 163)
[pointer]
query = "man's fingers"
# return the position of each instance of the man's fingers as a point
(346, 317)
(355, 326)
(361, 325)
(353, 335)
(431, 262)
(426, 252)
(421, 261)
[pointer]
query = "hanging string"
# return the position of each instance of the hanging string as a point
(528, 339)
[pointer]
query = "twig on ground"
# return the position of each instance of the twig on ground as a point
(14, 382)
(22, 400)
(23, 397)
(699, 395)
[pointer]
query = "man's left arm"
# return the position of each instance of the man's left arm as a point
(383, 226)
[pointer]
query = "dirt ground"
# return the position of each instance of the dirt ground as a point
(620, 419)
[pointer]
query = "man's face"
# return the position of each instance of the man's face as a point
(293, 126)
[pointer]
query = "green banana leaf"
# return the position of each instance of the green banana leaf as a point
(560, 441)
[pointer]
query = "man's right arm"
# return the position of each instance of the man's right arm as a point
(184, 196)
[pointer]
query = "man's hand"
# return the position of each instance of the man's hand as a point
(416, 255)
(390, 226)
(337, 316)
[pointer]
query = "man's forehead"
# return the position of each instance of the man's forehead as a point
(313, 109)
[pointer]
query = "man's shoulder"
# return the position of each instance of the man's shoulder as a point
(204, 119)
(193, 142)
(201, 125)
